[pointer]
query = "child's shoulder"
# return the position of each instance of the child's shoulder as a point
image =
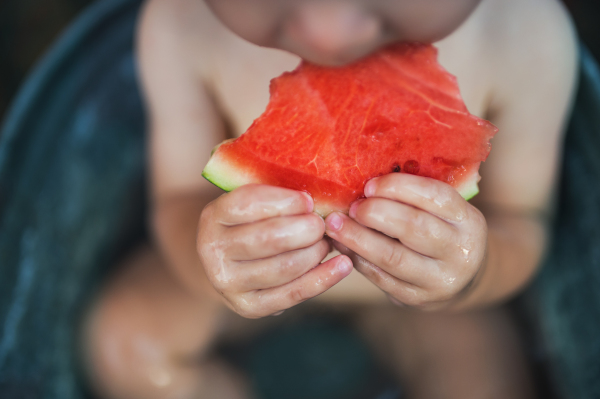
(527, 29)
(182, 28)
(186, 34)
(529, 57)
(495, 53)
(531, 51)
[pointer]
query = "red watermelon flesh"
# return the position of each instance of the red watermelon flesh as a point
(328, 130)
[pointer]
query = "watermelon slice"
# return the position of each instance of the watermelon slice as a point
(327, 130)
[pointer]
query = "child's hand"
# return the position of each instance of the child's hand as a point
(261, 248)
(415, 238)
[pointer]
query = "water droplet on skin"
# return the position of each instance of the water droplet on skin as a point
(412, 291)
(442, 200)
(449, 280)
(247, 303)
(264, 206)
(332, 273)
(223, 275)
(465, 251)
(438, 199)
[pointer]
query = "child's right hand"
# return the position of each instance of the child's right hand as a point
(262, 247)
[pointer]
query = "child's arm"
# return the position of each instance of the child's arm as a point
(520, 176)
(446, 253)
(183, 126)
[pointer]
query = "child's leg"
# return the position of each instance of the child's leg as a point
(145, 336)
(472, 355)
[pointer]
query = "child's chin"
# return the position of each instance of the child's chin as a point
(332, 59)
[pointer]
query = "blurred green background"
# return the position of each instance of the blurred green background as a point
(28, 27)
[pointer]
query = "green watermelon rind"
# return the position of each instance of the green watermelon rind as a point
(225, 175)
(229, 176)
(469, 188)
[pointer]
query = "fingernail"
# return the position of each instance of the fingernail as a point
(334, 222)
(344, 266)
(370, 188)
(352, 211)
(309, 201)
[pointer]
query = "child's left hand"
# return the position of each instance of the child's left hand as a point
(415, 238)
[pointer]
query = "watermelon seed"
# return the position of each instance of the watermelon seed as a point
(396, 168)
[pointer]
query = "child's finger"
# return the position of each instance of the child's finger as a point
(273, 300)
(431, 195)
(273, 236)
(402, 291)
(385, 252)
(418, 230)
(255, 202)
(281, 269)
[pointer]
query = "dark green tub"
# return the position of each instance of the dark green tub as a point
(72, 173)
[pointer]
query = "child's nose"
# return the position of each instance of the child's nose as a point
(333, 31)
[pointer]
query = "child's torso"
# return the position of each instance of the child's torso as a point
(237, 75)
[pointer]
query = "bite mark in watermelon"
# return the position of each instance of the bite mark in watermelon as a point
(328, 130)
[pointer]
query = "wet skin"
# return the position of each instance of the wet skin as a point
(416, 239)
(260, 247)
(262, 250)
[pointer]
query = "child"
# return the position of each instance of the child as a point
(206, 69)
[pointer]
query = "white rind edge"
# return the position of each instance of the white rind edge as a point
(469, 188)
(220, 172)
